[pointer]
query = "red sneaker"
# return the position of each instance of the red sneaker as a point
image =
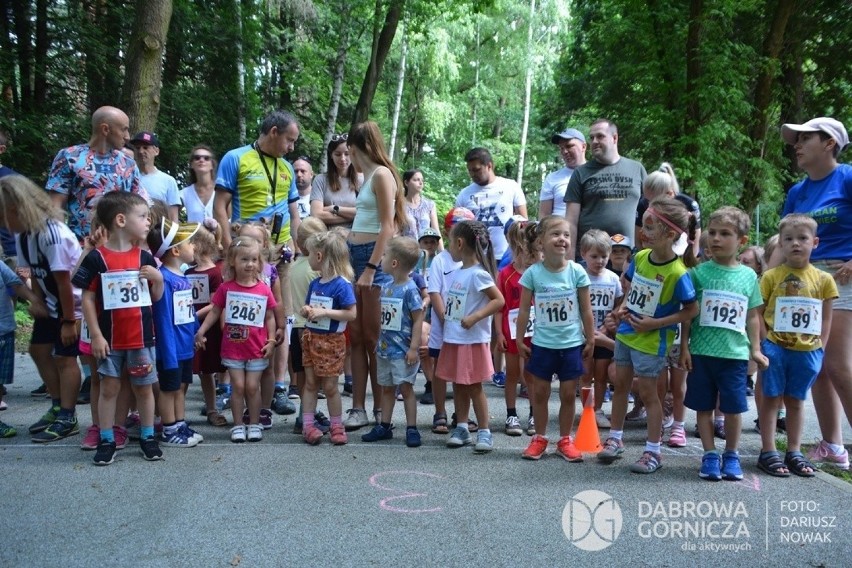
(338, 435)
(565, 447)
(536, 449)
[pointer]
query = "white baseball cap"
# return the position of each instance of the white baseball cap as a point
(832, 127)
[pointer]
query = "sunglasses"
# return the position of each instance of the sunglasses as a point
(304, 159)
(338, 137)
(205, 157)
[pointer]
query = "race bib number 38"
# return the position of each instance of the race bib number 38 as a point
(245, 309)
(794, 314)
(726, 310)
(124, 289)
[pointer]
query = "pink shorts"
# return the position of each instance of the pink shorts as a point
(465, 364)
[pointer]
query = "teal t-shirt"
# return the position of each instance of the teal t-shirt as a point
(725, 294)
(558, 322)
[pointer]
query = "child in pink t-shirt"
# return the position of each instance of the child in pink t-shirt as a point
(246, 306)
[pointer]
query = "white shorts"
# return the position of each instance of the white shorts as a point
(394, 372)
(844, 299)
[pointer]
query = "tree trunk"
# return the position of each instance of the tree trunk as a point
(8, 81)
(753, 186)
(143, 78)
(23, 31)
(42, 44)
(527, 93)
(792, 91)
(337, 86)
(400, 84)
(382, 41)
(241, 71)
(693, 79)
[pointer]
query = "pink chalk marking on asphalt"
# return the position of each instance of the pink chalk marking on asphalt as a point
(403, 494)
(753, 483)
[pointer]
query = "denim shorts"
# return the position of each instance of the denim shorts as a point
(713, 377)
(359, 256)
(644, 364)
(394, 372)
(566, 364)
(140, 364)
(247, 365)
(790, 373)
(172, 379)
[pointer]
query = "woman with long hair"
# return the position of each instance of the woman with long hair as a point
(333, 193)
(198, 195)
(380, 215)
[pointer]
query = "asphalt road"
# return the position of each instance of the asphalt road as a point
(282, 503)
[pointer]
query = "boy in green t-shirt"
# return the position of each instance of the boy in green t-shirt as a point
(717, 345)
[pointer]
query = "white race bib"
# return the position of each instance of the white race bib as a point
(644, 296)
(794, 314)
(602, 297)
(726, 310)
(200, 288)
(676, 340)
(391, 314)
(85, 334)
(513, 324)
(556, 309)
(124, 289)
(320, 302)
(183, 308)
(456, 300)
(242, 308)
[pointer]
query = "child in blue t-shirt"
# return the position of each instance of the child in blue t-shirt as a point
(716, 346)
(175, 324)
(399, 343)
(658, 286)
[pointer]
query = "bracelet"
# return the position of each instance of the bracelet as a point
(371, 265)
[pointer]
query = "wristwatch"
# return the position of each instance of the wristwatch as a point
(335, 210)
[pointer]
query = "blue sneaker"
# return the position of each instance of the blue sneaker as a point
(499, 379)
(377, 433)
(711, 467)
(460, 437)
(731, 469)
(484, 442)
(412, 437)
(607, 396)
(322, 422)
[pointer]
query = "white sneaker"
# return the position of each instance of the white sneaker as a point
(238, 434)
(255, 433)
(355, 418)
(513, 426)
(530, 426)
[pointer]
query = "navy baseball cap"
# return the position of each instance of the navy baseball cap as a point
(567, 134)
(146, 138)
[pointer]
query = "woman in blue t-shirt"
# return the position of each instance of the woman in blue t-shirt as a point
(826, 195)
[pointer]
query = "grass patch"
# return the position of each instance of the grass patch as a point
(25, 327)
(845, 475)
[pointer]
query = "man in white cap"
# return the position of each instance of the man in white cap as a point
(572, 148)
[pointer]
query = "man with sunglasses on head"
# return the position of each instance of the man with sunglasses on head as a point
(158, 184)
(304, 177)
(255, 181)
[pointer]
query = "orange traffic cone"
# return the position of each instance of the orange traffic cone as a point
(588, 439)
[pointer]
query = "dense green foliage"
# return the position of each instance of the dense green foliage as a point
(697, 83)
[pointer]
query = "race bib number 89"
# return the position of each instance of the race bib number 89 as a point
(794, 314)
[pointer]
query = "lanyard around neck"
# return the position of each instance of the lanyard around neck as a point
(273, 179)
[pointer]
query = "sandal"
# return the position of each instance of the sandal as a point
(797, 463)
(216, 419)
(439, 423)
(770, 462)
(472, 426)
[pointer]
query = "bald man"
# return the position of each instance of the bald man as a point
(81, 174)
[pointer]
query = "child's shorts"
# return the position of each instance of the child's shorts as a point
(790, 373)
(246, 364)
(172, 379)
(566, 364)
(209, 360)
(140, 364)
(713, 377)
(644, 364)
(673, 358)
(512, 346)
(7, 358)
(602, 353)
(394, 372)
(325, 352)
(48, 331)
(296, 350)
(465, 364)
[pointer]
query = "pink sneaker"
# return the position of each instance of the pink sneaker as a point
(312, 435)
(120, 434)
(821, 453)
(338, 435)
(677, 439)
(92, 438)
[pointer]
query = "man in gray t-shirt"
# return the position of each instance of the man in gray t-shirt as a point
(603, 193)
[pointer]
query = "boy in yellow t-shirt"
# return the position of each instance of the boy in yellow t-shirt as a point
(797, 314)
